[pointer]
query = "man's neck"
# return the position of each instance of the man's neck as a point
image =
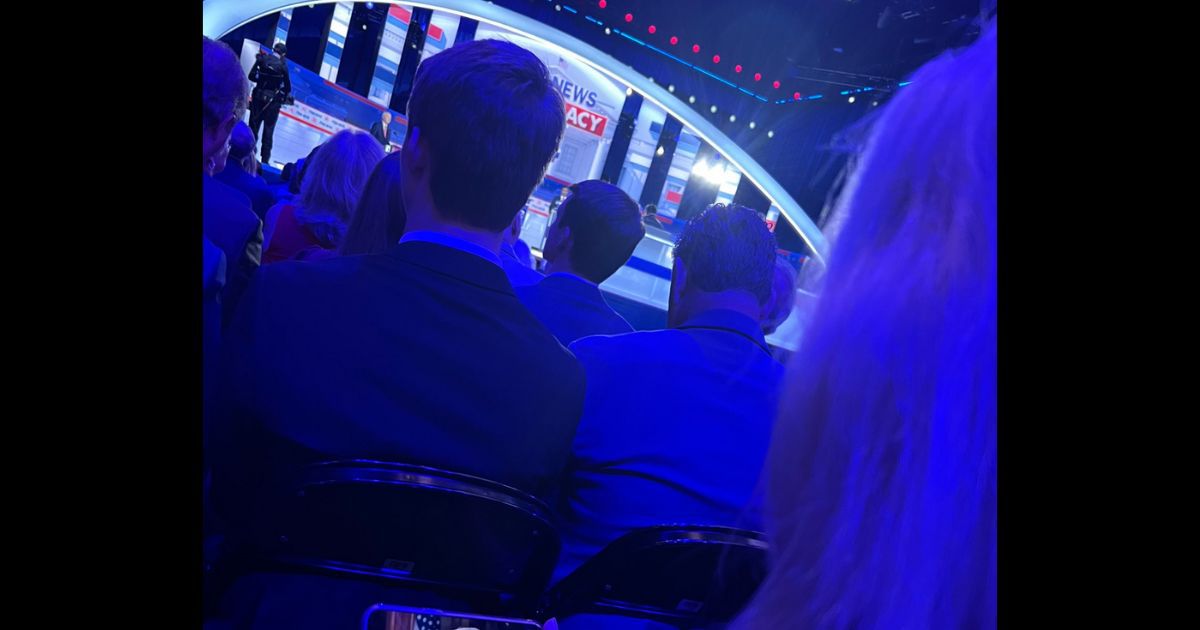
(487, 240)
(562, 266)
(701, 301)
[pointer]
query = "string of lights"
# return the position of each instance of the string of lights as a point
(674, 40)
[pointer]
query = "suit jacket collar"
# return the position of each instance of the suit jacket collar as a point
(573, 286)
(454, 263)
(729, 321)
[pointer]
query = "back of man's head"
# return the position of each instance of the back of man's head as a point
(728, 248)
(605, 226)
(492, 121)
(226, 92)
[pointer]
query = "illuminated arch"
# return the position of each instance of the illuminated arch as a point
(222, 16)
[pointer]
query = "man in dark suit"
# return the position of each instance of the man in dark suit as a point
(229, 221)
(596, 230)
(422, 354)
(379, 130)
(241, 171)
(691, 451)
(651, 218)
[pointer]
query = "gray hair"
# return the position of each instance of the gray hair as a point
(226, 89)
(334, 181)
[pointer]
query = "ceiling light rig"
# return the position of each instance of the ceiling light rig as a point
(673, 40)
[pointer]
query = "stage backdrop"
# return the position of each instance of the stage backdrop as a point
(321, 110)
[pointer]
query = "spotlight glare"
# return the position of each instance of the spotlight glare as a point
(713, 109)
(732, 118)
(674, 40)
(850, 100)
(695, 48)
(715, 173)
(671, 88)
(607, 31)
(751, 124)
(628, 91)
(651, 29)
(758, 76)
(628, 17)
(659, 152)
(770, 134)
(603, 3)
(692, 100)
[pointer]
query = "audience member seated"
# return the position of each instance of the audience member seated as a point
(651, 217)
(596, 230)
(422, 354)
(520, 272)
(312, 228)
(881, 480)
(241, 170)
(690, 451)
(379, 219)
(229, 221)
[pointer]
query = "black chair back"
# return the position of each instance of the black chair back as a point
(686, 576)
(420, 528)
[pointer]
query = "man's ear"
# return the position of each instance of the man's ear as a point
(414, 159)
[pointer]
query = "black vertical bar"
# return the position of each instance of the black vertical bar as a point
(699, 193)
(414, 44)
(261, 30)
(307, 35)
(660, 162)
(622, 135)
(747, 194)
(361, 51)
(466, 30)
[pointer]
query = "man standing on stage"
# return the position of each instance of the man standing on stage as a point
(379, 130)
(272, 88)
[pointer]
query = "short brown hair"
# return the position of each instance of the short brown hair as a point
(606, 226)
(493, 122)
